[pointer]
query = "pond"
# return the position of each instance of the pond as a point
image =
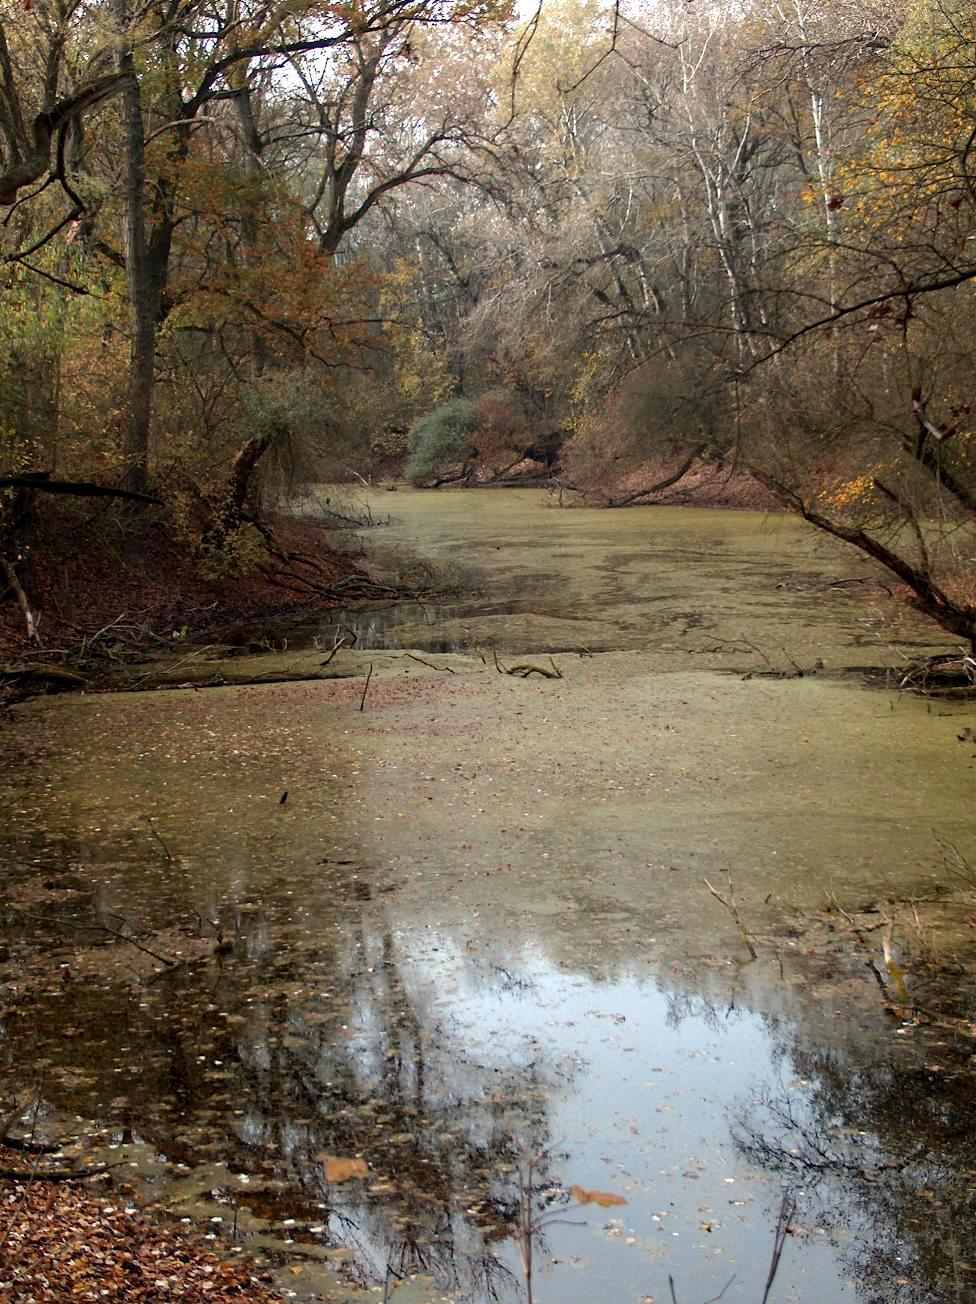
(454, 925)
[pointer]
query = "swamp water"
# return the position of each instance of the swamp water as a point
(473, 946)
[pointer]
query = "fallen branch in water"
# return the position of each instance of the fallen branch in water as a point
(42, 672)
(528, 668)
(56, 1174)
(94, 928)
(14, 1143)
(858, 932)
(340, 642)
(661, 485)
(152, 829)
(732, 908)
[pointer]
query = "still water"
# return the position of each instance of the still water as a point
(473, 947)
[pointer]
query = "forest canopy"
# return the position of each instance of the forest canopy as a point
(250, 245)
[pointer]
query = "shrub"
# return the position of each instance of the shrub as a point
(441, 439)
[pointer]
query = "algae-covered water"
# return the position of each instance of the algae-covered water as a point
(473, 947)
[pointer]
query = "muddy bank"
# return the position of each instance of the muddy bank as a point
(109, 581)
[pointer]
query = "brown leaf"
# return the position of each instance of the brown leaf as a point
(605, 1199)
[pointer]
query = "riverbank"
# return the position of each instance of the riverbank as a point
(133, 578)
(135, 575)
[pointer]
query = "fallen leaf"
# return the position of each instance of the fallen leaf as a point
(339, 1169)
(605, 1199)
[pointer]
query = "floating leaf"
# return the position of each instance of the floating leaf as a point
(340, 1169)
(605, 1199)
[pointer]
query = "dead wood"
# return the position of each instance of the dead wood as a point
(661, 485)
(362, 700)
(95, 928)
(733, 909)
(446, 669)
(16, 587)
(526, 668)
(42, 672)
(78, 488)
(56, 1174)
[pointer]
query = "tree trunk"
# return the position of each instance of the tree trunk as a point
(954, 616)
(143, 305)
(228, 513)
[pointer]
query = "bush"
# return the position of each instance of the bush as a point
(441, 439)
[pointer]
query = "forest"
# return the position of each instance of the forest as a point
(253, 245)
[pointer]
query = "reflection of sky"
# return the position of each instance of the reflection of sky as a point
(639, 1102)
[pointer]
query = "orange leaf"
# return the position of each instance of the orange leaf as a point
(605, 1199)
(338, 1169)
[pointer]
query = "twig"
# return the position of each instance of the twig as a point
(447, 669)
(339, 643)
(732, 908)
(786, 1211)
(473, 642)
(94, 928)
(57, 1174)
(749, 643)
(362, 700)
(152, 830)
(87, 640)
(198, 651)
(859, 934)
(962, 869)
(715, 1298)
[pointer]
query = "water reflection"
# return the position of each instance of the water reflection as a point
(884, 1158)
(330, 1030)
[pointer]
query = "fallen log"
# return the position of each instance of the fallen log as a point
(42, 672)
(78, 488)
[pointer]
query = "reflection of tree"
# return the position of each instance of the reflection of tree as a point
(315, 1047)
(691, 1005)
(885, 1154)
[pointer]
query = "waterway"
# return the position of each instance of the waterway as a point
(489, 936)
